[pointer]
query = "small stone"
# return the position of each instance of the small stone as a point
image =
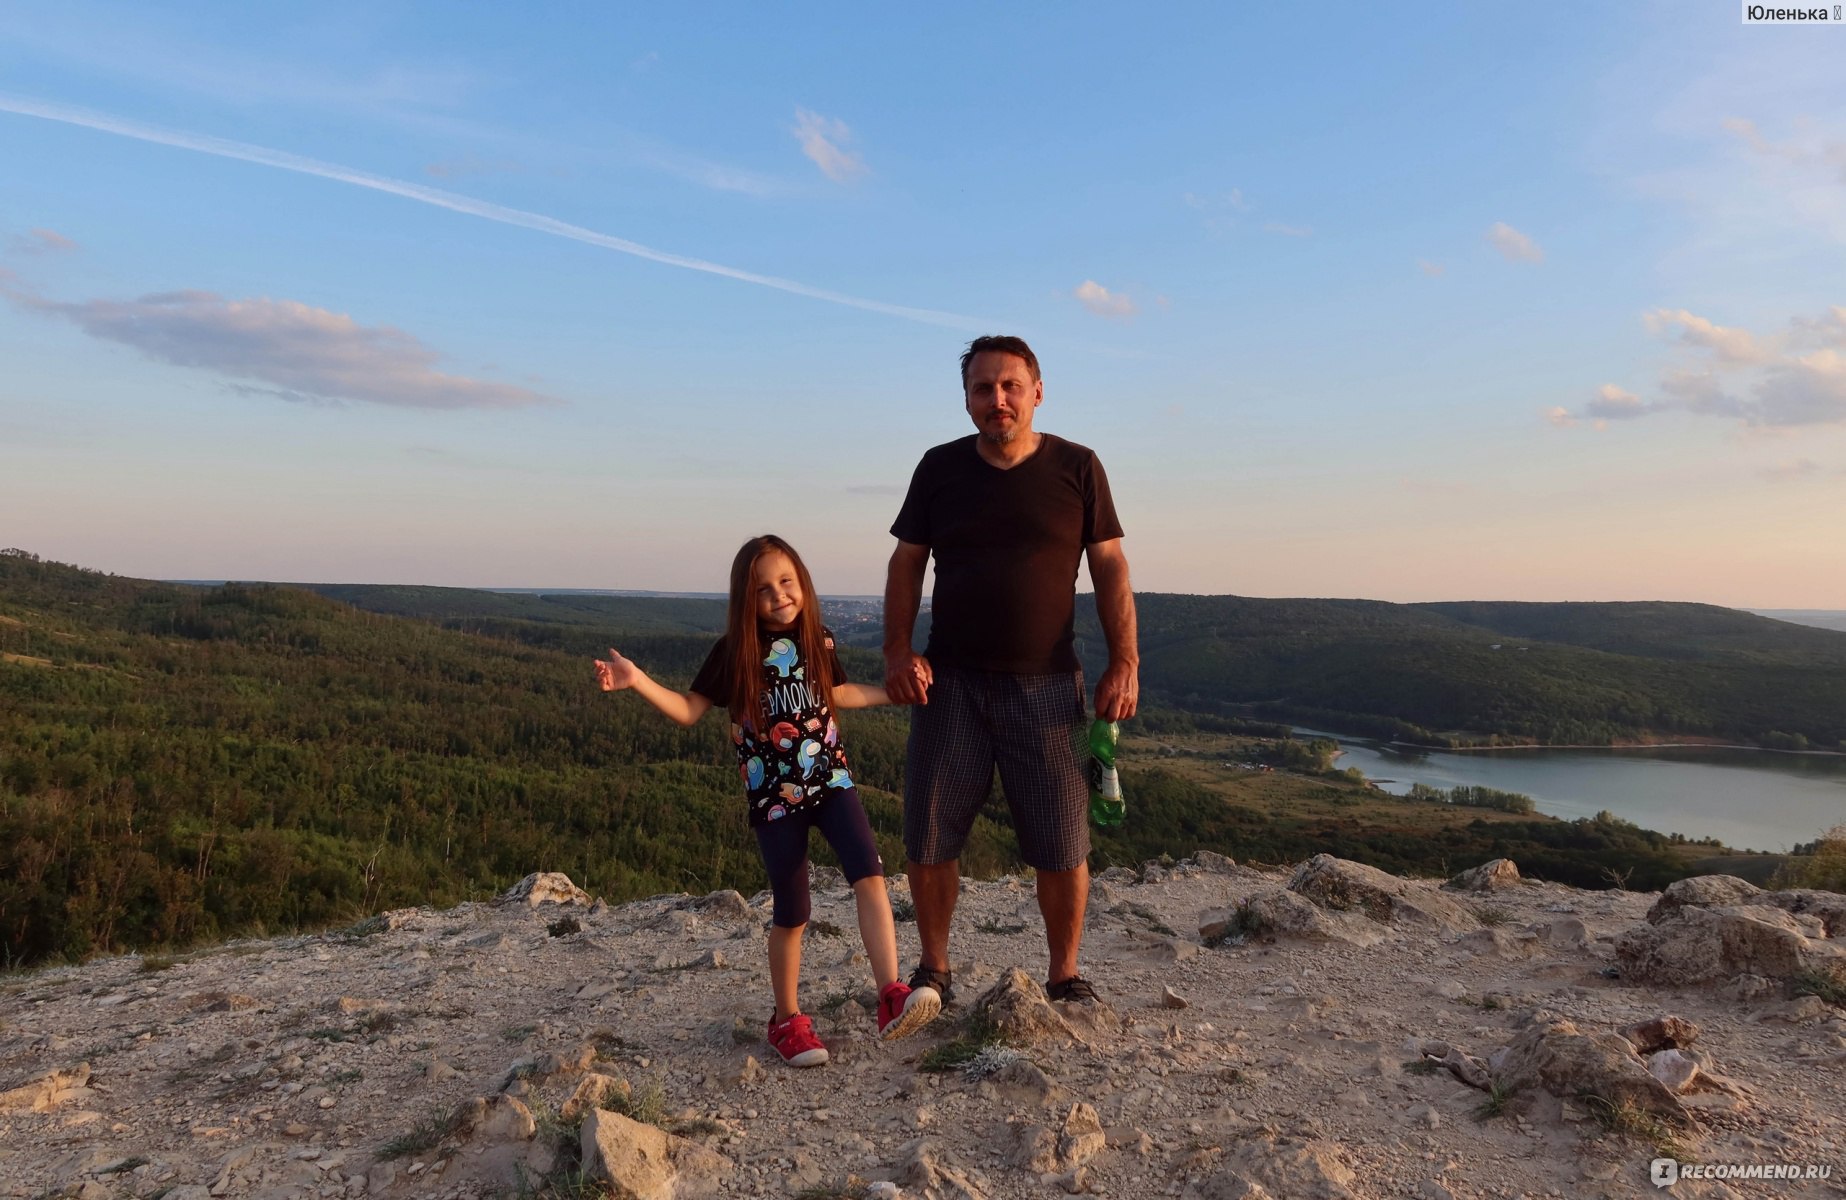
(326, 1101)
(1673, 1069)
(1172, 999)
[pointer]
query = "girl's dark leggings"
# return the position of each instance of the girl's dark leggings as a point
(841, 820)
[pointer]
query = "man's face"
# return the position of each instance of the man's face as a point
(1002, 395)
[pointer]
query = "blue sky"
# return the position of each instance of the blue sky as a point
(1408, 302)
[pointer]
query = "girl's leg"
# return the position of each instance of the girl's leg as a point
(842, 822)
(876, 927)
(785, 969)
(784, 845)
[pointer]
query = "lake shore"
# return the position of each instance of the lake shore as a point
(1681, 745)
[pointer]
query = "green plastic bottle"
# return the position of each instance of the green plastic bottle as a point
(1107, 807)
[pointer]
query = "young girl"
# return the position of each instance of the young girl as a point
(776, 671)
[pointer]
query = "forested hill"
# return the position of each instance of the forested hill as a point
(458, 607)
(1443, 673)
(182, 763)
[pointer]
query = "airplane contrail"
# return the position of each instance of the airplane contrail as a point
(283, 160)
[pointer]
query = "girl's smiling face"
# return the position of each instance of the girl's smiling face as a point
(777, 590)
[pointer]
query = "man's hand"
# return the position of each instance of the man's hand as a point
(617, 673)
(1118, 691)
(907, 677)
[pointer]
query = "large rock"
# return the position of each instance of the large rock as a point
(926, 1170)
(1495, 876)
(44, 1092)
(1829, 908)
(1342, 886)
(725, 904)
(1556, 1056)
(1279, 913)
(1666, 1032)
(1081, 1138)
(544, 887)
(1283, 1167)
(1501, 943)
(590, 1093)
(1700, 945)
(641, 1162)
(1701, 891)
(1016, 1006)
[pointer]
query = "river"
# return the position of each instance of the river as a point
(1747, 799)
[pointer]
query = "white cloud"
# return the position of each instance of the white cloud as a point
(1770, 385)
(1614, 404)
(1829, 329)
(1299, 231)
(1103, 302)
(1513, 245)
(283, 348)
(823, 139)
(1558, 416)
(1810, 149)
(1811, 390)
(1732, 345)
(1432, 269)
(40, 241)
(284, 161)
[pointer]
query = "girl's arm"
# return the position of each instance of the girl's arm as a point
(859, 695)
(619, 673)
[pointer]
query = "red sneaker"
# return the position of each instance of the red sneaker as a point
(902, 1010)
(794, 1040)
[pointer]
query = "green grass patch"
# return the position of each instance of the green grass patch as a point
(425, 1136)
(974, 1034)
(1827, 983)
(1626, 1119)
(1492, 914)
(1495, 1104)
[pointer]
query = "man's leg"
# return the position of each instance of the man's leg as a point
(1036, 745)
(1062, 897)
(934, 888)
(948, 769)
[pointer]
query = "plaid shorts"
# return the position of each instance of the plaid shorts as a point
(1027, 725)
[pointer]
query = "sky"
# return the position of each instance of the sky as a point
(1409, 302)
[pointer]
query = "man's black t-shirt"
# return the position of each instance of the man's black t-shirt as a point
(1007, 546)
(799, 759)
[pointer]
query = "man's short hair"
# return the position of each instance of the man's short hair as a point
(999, 343)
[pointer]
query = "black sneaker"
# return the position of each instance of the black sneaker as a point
(926, 977)
(1074, 988)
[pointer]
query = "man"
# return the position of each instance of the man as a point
(1008, 514)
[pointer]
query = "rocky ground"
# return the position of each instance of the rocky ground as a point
(1323, 1032)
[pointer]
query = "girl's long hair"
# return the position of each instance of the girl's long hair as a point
(744, 644)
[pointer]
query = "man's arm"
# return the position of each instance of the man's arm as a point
(1119, 689)
(907, 674)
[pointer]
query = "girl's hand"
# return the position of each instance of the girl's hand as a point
(617, 673)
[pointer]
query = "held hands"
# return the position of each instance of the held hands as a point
(1118, 691)
(617, 673)
(907, 677)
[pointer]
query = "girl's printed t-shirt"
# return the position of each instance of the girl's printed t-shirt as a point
(799, 759)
